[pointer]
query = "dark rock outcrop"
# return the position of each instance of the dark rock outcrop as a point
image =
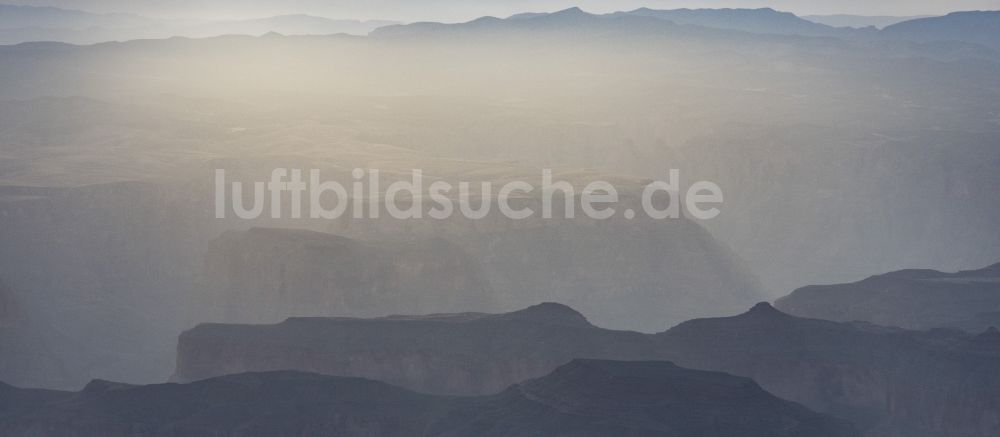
(912, 299)
(582, 398)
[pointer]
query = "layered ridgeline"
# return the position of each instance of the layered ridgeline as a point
(876, 377)
(581, 398)
(912, 299)
(27, 23)
(867, 156)
(471, 353)
(838, 159)
(105, 277)
(107, 270)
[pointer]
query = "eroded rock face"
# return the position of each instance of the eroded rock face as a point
(470, 353)
(582, 398)
(266, 275)
(912, 299)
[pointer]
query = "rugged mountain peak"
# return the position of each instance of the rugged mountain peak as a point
(571, 11)
(101, 386)
(765, 310)
(550, 312)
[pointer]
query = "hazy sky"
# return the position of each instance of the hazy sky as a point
(450, 10)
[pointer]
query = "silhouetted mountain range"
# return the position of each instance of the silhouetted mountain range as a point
(912, 299)
(582, 398)
(472, 353)
(679, 22)
(30, 23)
(877, 377)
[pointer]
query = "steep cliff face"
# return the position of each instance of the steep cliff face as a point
(888, 381)
(912, 299)
(470, 353)
(583, 398)
(266, 275)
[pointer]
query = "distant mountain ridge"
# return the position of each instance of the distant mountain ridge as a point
(981, 27)
(30, 23)
(17, 16)
(859, 21)
(765, 21)
(974, 27)
(913, 299)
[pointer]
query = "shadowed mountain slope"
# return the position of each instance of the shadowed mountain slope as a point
(582, 398)
(639, 398)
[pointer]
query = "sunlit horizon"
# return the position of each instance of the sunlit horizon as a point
(454, 11)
